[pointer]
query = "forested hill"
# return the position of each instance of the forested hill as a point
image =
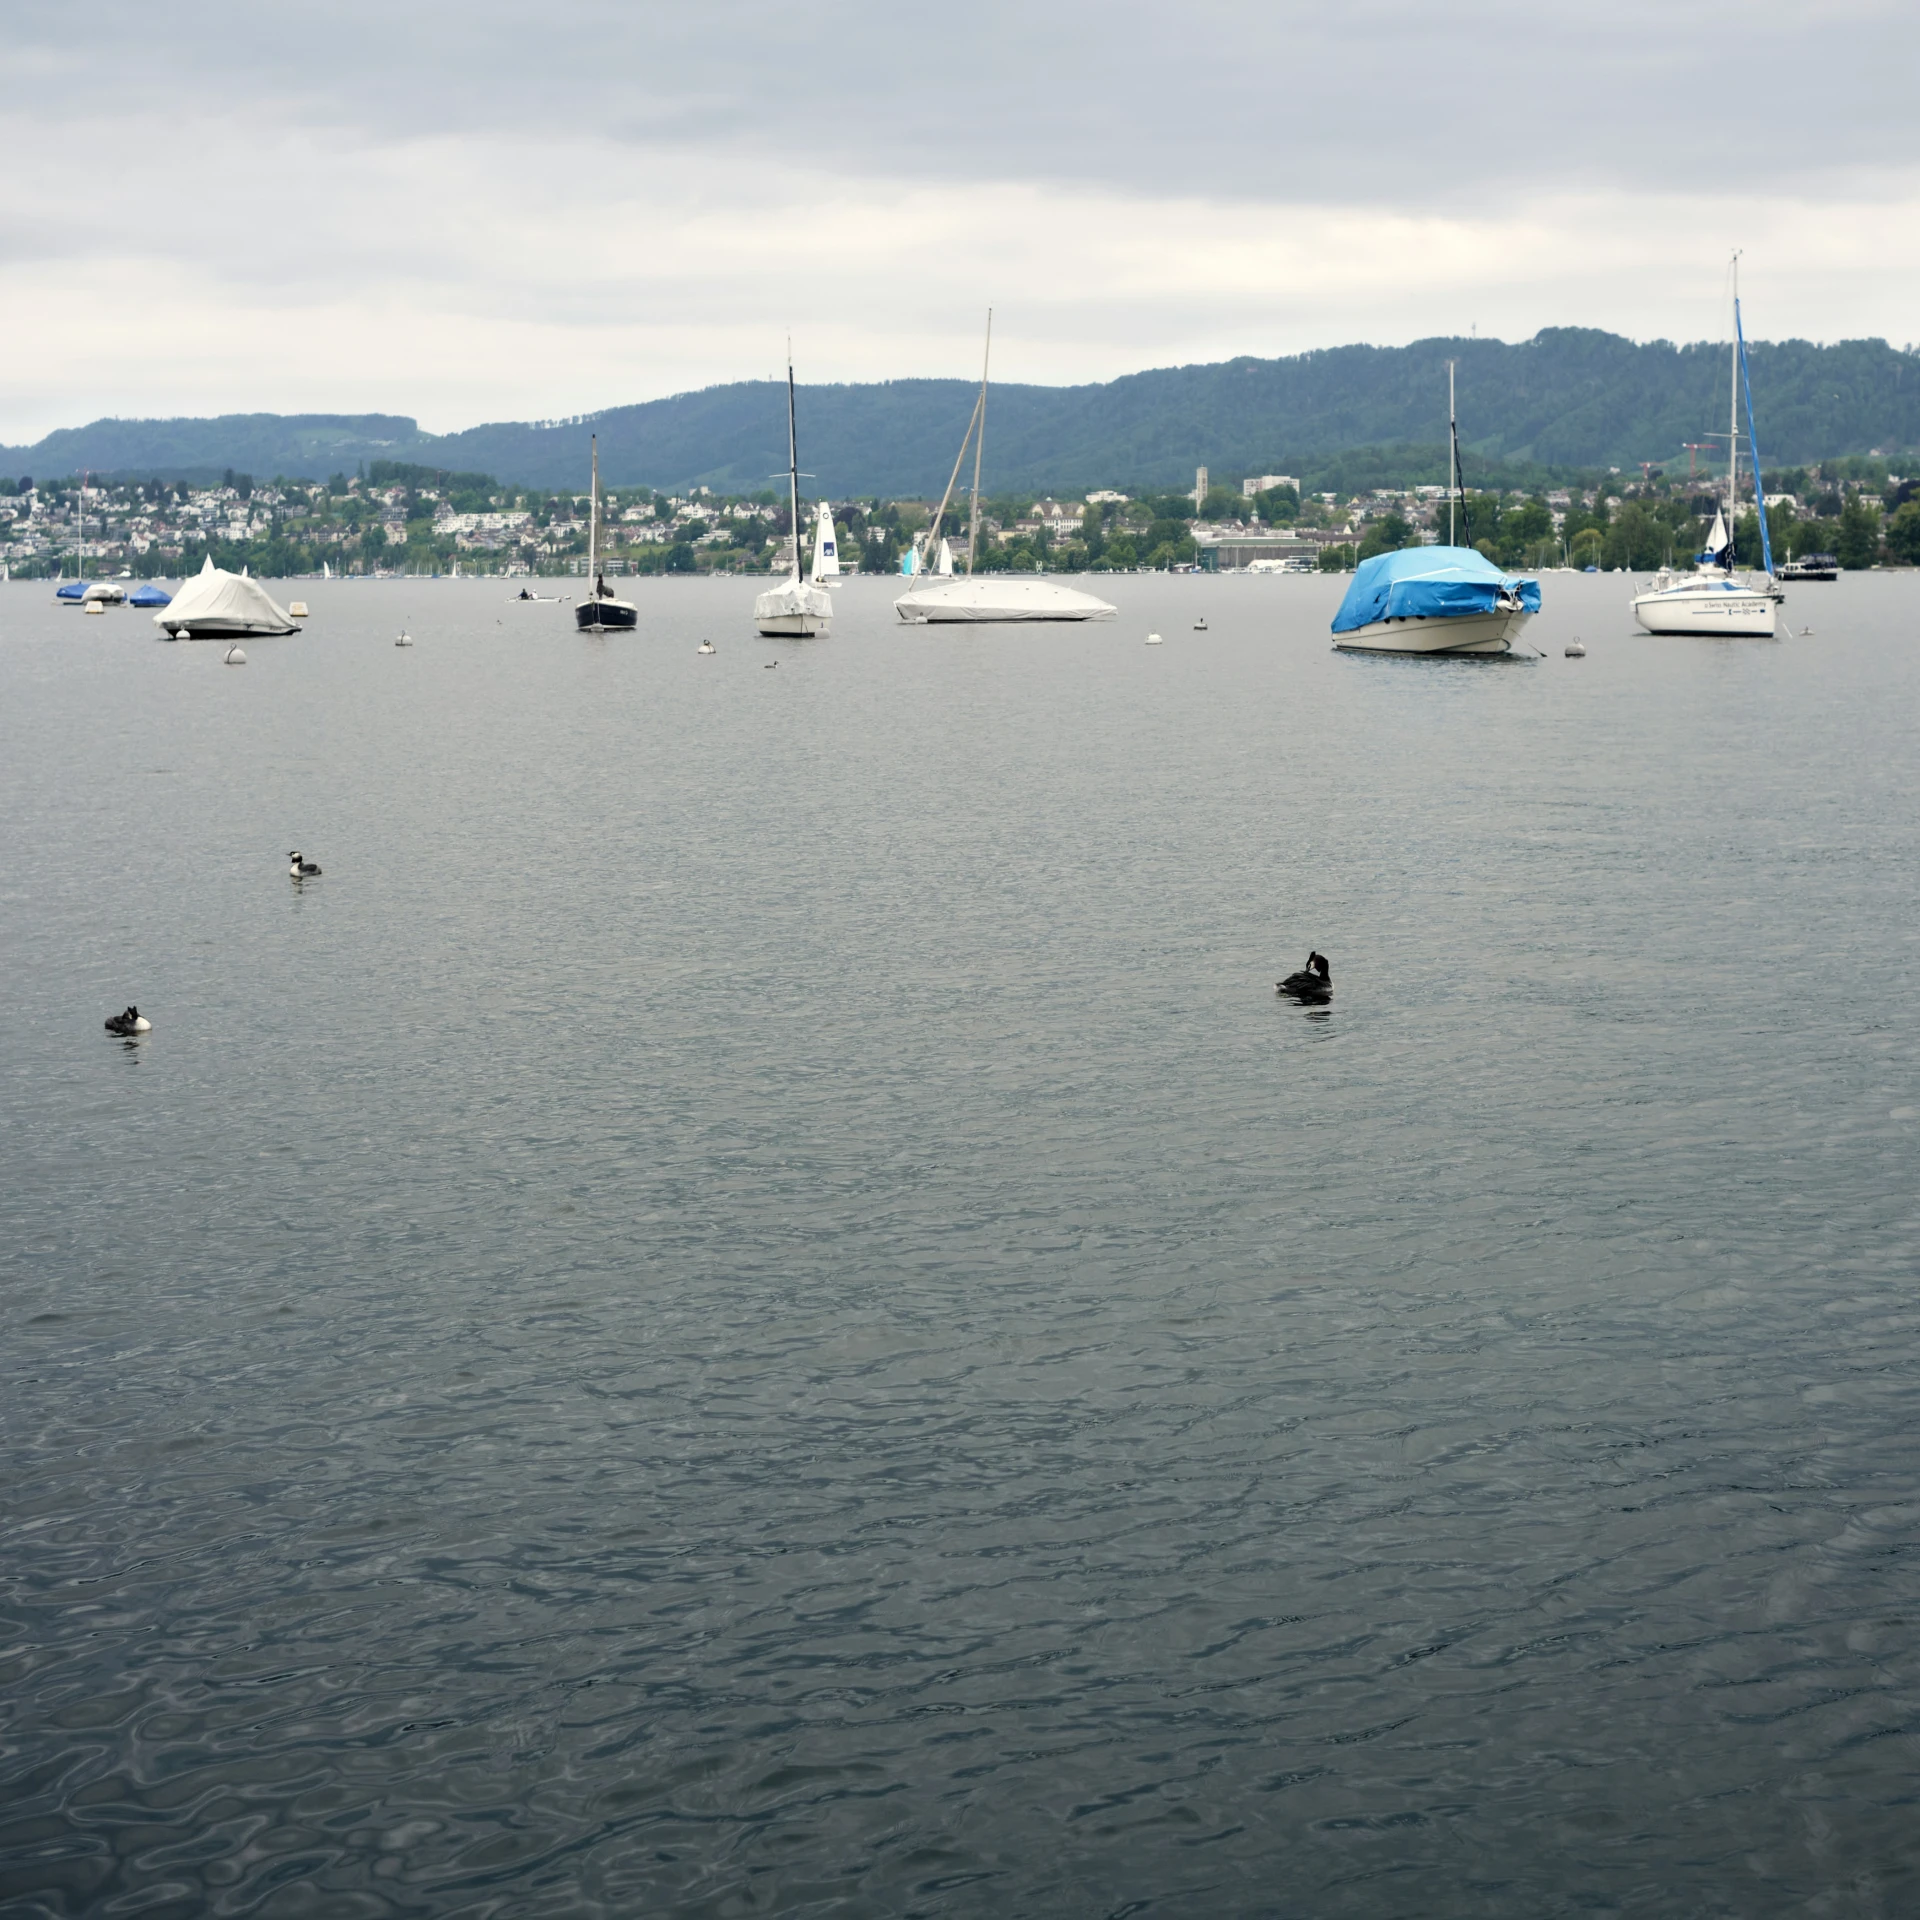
(1568, 398)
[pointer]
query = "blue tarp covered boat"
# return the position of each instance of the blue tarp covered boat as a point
(73, 590)
(1430, 583)
(150, 594)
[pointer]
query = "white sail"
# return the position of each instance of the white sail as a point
(1717, 539)
(944, 566)
(826, 550)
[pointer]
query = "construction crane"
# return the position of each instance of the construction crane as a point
(1692, 447)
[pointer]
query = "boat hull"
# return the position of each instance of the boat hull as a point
(981, 600)
(1738, 613)
(1494, 631)
(606, 616)
(216, 628)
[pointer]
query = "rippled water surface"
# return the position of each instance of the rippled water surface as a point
(753, 1305)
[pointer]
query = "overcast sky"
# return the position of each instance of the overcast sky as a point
(488, 211)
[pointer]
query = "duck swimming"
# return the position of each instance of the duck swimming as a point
(298, 869)
(1314, 981)
(130, 1022)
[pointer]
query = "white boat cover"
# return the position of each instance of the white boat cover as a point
(218, 604)
(997, 596)
(793, 600)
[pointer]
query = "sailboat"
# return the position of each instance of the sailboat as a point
(950, 597)
(794, 608)
(1710, 600)
(599, 611)
(826, 550)
(1436, 599)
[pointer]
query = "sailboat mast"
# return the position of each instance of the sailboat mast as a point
(593, 524)
(1733, 420)
(1453, 445)
(979, 441)
(793, 466)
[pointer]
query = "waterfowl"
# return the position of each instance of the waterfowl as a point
(298, 869)
(127, 1023)
(1314, 981)
(770, 663)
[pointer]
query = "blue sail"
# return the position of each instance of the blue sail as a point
(1753, 447)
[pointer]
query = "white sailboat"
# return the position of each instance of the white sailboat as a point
(600, 611)
(793, 609)
(950, 598)
(1710, 600)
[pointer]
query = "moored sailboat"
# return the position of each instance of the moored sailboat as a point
(1436, 599)
(601, 611)
(794, 609)
(950, 598)
(1711, 600)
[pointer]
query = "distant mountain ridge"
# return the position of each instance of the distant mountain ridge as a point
(1570, 397)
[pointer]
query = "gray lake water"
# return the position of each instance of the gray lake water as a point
(754, 1306)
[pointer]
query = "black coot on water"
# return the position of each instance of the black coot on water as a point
(1314, 981)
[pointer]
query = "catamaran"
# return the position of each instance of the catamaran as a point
(600, 611)
(1436, 599)
(1710, 600)
(794, 609)
(950, 597)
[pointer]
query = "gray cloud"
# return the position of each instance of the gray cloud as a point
(479, 211)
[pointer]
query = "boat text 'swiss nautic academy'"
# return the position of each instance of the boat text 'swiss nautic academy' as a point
(993, 596)
(1710, 600)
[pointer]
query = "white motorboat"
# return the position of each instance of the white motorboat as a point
(944, 597)
(601, 611)
(795, 609)
(1711, 600)
(217, 605)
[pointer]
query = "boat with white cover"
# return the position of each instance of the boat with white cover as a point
(972, 599)
(601, 611)
(796, 609)
(217, 605)
(1711, 600)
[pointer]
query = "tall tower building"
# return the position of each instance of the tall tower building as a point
(1199, 488)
